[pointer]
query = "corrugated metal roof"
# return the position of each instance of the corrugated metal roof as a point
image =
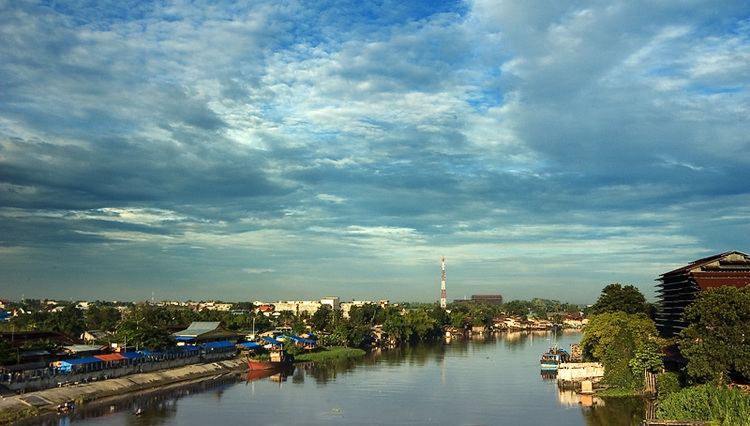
(197, 328)
(272, 341)
(81, 361)
(132, 355)
(82, 348)
(218, 345)
(110, 357)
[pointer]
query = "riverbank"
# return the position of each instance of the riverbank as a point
(20, 407)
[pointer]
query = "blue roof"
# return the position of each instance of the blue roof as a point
(187, 348)
(131, 355)
(184, 338)
(298, 339)
(81, 361)
(250, 345)
(217, 345)
(272, 341)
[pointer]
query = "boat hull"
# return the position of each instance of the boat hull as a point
(266, 365)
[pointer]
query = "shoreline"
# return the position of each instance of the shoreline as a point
(20, 408)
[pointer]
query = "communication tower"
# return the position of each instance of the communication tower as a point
(443, 302)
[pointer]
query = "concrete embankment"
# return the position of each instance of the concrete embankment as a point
(20, 407)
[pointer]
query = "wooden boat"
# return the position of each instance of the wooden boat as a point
(276, 359)
(552, 358)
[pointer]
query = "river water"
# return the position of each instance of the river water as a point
(480, 381)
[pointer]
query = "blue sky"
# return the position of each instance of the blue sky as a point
(272, 150)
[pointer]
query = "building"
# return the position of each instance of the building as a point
(95, 336)
(332, 301)
(678, 288)
(489, 299)
(297, 306)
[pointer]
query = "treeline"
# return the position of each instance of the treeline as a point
(150, 326)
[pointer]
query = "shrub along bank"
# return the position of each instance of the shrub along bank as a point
(333, 353)
(717, 404)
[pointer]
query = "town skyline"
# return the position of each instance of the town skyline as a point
(274, 150)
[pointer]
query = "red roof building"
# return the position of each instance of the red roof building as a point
(678, 288)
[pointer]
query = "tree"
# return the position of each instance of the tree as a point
(68, 321)
(517, 307)
(616, 297)
(322, 319)
(626, 344)
(99, 317)
(716, 342)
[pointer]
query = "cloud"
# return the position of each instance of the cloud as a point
(258, 270)
(346, 146)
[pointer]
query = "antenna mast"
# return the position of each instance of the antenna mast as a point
(443, 302)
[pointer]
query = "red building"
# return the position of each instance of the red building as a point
(678, 288)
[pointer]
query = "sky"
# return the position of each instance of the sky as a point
(269, 150)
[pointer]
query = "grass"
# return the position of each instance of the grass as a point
(332, 353)
(14, 415)
(617, 393)
(719, 405)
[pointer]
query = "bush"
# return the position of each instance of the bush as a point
(667, 384)
(721, 405)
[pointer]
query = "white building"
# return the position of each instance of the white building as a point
(332, 301)
(297, 306)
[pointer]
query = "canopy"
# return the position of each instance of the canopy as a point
(272, 341)
(132, 355)
(250, 345)
(110, 357)
(218, 345)
(81, 361)
(67, 365)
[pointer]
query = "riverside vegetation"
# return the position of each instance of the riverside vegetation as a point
(623, 338)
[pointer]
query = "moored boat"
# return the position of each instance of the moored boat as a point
(266, 357)
(553, 358)
(275, 359)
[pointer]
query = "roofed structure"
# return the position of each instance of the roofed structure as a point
(204, 331)
(678, 288)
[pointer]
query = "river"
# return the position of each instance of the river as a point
(481, 381)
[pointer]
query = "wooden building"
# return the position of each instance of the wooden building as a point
(678, 288)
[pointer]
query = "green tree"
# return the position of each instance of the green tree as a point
(616, 297)
(323, 319)
(716, 342)
(625, 344)
(517, 307)
(68, 321)
(421, 325)
(101, 317)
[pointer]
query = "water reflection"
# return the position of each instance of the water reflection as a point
(157, 407)
(275, 375)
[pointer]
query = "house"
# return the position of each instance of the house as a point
(678, 288)
(574, 321)
(95, 336)
(204, 331)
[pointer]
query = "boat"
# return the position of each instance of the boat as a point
(553, 357)
(273, 360)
